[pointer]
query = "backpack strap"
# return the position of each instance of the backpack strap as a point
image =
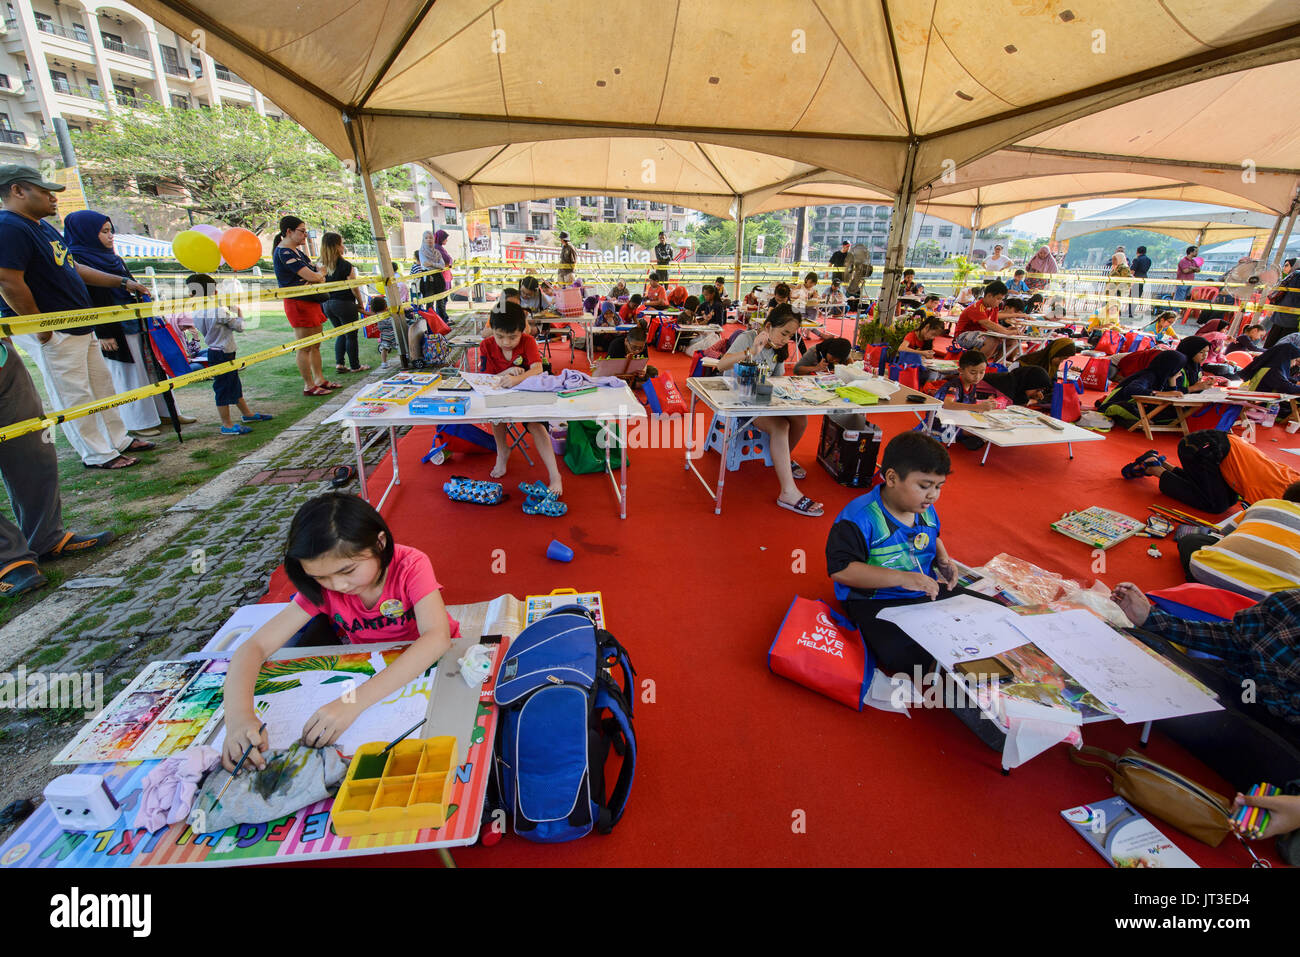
(618, 730)
(607, 646)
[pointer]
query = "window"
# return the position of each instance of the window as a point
(197, 66)
(561, 203)
(4, 122)
(125, 95)
(92, 89)
(449, 216)
(180, 101)
(882, 212)
(511, 217)
(837, 210)
(112, 41)
(965, 234)
(79, 32)
(864, 211)
(925, 231)
(864, 227)
(60, 81)
(494, 219)
(5, 82)
(945, 231)
(43, 21)
(539, 221)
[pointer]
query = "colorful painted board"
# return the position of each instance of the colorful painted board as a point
(1098, 527)
(538, 606)
(169, 707)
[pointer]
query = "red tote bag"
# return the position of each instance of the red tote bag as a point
(821, 649)
(1095, 373)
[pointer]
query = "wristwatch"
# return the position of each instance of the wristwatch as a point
(125, 280)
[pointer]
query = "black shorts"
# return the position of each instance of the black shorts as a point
(228, 388)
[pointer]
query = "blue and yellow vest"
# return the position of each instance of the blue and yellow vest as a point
(908, 548)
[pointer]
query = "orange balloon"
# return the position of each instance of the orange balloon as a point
(240, 248)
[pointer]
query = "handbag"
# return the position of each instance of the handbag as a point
(1066, 405)
(1163, 792)
(821, 649)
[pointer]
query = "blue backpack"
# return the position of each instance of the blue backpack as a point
(561, 712)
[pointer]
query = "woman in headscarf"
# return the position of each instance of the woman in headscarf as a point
(1044, 264)
(89, 236)
(1276, 369)
(1050, 356)
(426, 257)
(1024, 385)
(441, 280)
(1159, 376)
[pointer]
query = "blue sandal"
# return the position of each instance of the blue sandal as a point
(1138, 467)
(258, 417)
(535, 490)
(544, 505)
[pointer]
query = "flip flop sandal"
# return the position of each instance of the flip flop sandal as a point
(110, 467)
(139, 445)
(804, 506)
(316, 390)
(797, 470)
(343, 474)
(534, 505)
(329, 385)
(360, 369)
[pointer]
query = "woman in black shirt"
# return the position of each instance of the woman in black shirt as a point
(344, 305)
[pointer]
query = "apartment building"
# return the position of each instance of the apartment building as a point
(829, 225)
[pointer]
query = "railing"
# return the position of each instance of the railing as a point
(126, 48)
(86, 92)
(226, 75)
(55, 30)
(13, 136)
(4, 82)
(175, 69)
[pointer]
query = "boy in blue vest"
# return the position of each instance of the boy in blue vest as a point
(884, 548)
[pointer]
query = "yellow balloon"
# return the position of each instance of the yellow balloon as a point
(196, 252)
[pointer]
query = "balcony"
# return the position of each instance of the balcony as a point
(224, 74)
(118, 47)
(175, 69)
(11, 85)
(54, 30)
(17, 138)
(63, 43)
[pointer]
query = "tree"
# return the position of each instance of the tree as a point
(926, 250)
(606, 235)
(717, 237)
(227, 165)
(569, 220)
(1023, 249)
(644, 233)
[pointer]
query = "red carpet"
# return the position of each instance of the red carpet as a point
(731, 755)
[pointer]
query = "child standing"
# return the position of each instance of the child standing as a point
(218, 326)
(884, 547)
(342, 558)
(513, 355)
(387, 334)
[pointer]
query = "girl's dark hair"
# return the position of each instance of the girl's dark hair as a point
(335, 521)
(781, 315)
(781, 289)
(692, 303)
(639, 331)
(530, 283)
(811, 275)
(200, 284)
(635, 299)
(705, 290)
(286, 223)
(932, 322)
(511, 318)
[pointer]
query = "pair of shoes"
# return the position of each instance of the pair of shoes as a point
(150, 432)
(235, 429)
(258, 417)
(540, 500)
(1138, 467)
(19, 578)
(76, 544)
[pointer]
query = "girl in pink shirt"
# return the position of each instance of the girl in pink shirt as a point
(345, 564)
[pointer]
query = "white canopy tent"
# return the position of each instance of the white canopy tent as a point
(1193, 223)
(733, 108)
(141, 247)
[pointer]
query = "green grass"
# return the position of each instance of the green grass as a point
(48, 656)
(183, 614)
(92, 622)
(101, 652)
(139, 618)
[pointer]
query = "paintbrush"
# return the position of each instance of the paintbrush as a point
(242, 759)
(404, 734)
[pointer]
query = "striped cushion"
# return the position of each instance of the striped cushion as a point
(1259, 557)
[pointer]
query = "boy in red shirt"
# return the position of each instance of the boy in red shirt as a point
(982, 316)
(513, 356)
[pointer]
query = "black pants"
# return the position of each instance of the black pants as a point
(437, 284)
(1189, 544)
(1277, 331)
(341, 312)
(1244, 743)
(893, 650)
(1198, 482)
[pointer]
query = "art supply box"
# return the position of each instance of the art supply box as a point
(850, 457)
(440, 405)
(406, 790)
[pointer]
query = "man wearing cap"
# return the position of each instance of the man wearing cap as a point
(568, 256)
(838, 259)
(36, 275)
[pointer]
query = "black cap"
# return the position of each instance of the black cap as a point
(15, 173)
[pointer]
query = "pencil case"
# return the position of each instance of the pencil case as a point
(439, 405)
(857, 396)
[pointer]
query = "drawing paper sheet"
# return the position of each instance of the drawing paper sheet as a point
(290, 690)
(485, 383)
(959, 628)
(1134, 684)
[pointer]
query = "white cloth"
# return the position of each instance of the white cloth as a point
(74, 372)
(142, 413)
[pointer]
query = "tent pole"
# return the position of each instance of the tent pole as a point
(899, 228)
(740, 242)
(974, 220)
(1272, 235)
(381, 239)
(1286, 238)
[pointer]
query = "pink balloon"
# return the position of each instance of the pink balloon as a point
(213, 233)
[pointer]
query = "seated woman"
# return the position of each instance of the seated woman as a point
(836, 302)
(711, 309)
(1275, 370)
(1213, 325)
(1024, 385)
(1171, 372)
(1051, 356)
(1215, 471)
(618, 291)
(769, 348)
(531, 296)
(656, 297)
(751, 298)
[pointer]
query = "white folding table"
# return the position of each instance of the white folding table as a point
(717, 395)
(606, 405)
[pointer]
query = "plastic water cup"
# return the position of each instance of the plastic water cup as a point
(558, 551)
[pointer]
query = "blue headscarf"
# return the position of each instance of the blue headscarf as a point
(81, 234)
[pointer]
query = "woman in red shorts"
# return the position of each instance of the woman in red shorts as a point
(293, 268)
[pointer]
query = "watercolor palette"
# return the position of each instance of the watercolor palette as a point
(407, 789)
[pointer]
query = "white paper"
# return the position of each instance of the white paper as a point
(484, 383)
(957, 629)
(1132, 683)
(1027, 738)
(883, 696)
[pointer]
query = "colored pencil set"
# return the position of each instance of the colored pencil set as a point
(1254, 820)
(1181, 518)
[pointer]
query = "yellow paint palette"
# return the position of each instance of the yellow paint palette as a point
(407, 789)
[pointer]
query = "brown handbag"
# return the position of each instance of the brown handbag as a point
(1164, 793)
